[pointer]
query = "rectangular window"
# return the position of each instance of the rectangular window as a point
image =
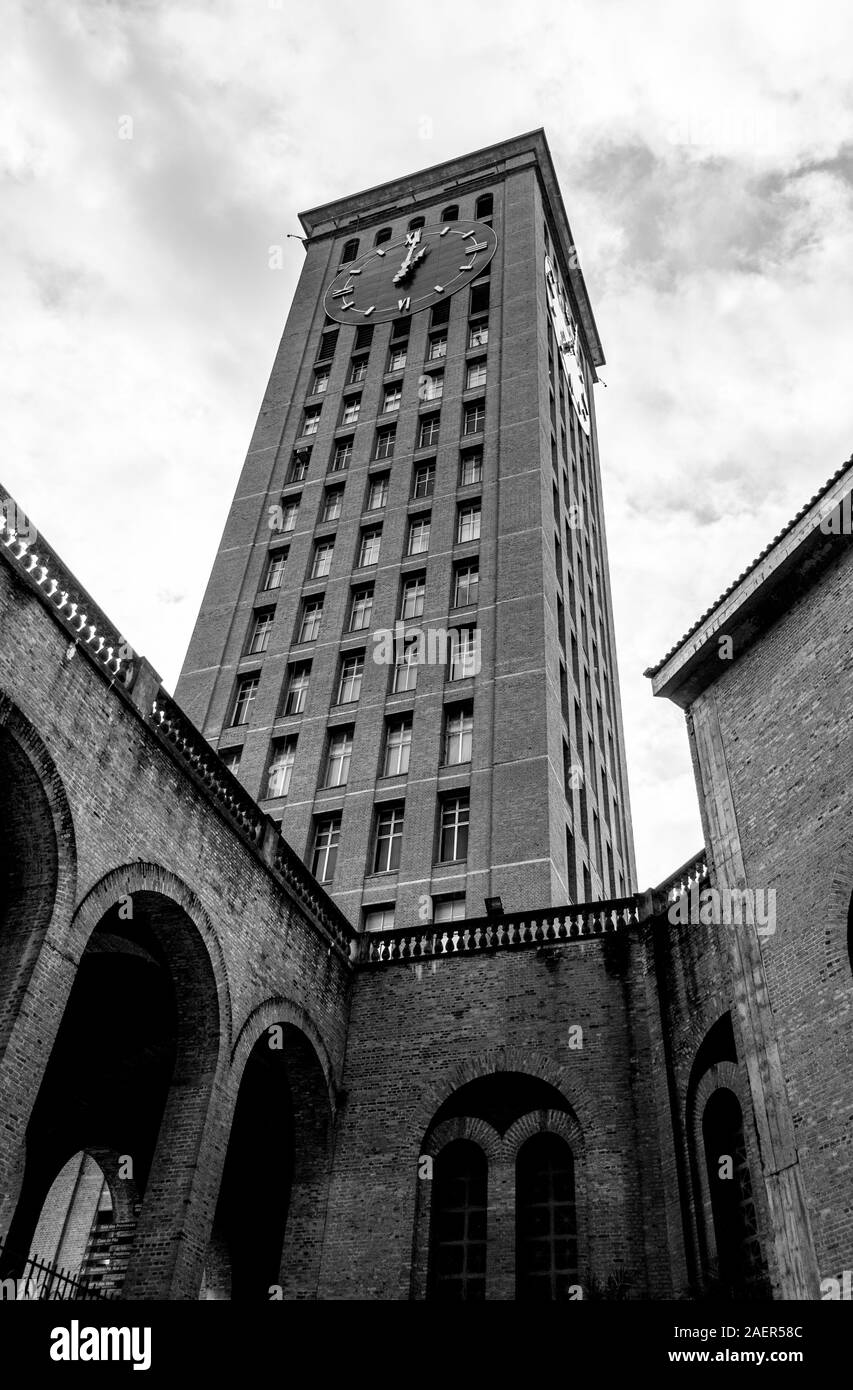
(419, 530)
(379, 918)
(338, 758)
(274, 572)
(466, 583)
(458, 734)
(297, 688)
(385, 442)
(280, 767)
(358, 370)
(352, 409)
(476, 375)
(432, 386)
(368, 551)
(453, 828)
(231, 758)
(261, 632)
(323, 553)
(474, 420)
(289, 511)
(412, 600)
(463, 653)
(428, 432)
(479, 300)
(424, 480)
(377, 493)
(311, 422)
(397, 360)
(332, 504)
(244, 699)
(468, 523)
(363, 337)
(450, 908)
(471, 467)
(299, 465)
(342, 456)
(389, 839)
(327, 837)
(328, 343)
(405, 672)
(478, 334)
(361, 610)
(392, 398)
(349, 682)
(312, 611)
(398, 746)
(437, 347)
(320, 382)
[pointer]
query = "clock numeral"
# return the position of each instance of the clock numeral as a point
(478, 246)
(469, 266)
(404, 303)
(439, 289)
(368, 311)
(380, 253)
(354, 271)
(345, 305)
(341, 294)
(444, 231)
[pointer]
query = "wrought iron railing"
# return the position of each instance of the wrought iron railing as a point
(32, 1280)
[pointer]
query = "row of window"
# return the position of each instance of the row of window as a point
(478, 337)
(473, 422)
(451, 837)
(484, 207)
(457, 741)
(465, 587)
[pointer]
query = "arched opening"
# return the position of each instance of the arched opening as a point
(350, 251)
(457, 1251)
(485, 205)
(416, 222)
(450, 214)
(130, 1071)
(383, 235)
(740, 1265)
(500, 1099)
(266, 1231)
(86, 1224)
(29, 871)
(546, 1220)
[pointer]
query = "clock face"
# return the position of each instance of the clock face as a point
(403, 277)
(568, 341)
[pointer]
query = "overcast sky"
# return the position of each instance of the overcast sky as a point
(705, 152)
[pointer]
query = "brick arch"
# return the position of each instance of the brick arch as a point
(837, 956)
(279, 1009)
(464, 1127)
(39, 832)
(142, 877)
(482, 1064)
(560, 1122)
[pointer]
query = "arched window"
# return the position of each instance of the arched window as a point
(457, 1256)
(450, 214)
(416, 222)
(485, 205)
(350, 251)
(383, 235)
(547, 1240)
(740, 1266)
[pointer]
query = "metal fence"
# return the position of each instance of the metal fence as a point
(32, 1280)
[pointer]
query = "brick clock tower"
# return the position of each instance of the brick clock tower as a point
(406, 648)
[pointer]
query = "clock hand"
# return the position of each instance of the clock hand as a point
(411, 241)
(409, 264)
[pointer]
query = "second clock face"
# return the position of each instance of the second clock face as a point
(403, 277)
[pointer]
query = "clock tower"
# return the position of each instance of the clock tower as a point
(406, 647)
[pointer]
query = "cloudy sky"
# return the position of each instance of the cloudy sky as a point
(705, 151)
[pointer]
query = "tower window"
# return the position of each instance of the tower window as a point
(388, 839)
(338, 758)
(485, 205)
(280, 768)
(405, 671)
(342, 456)
(474, 419)
(327, 837)
(428, 433)
(261, 632)
(458, 735)
(323, 553)
(361, 610)
(415, 223)
(412, 600)
(385, 440)
(423, 481)
(450, 214)
(328, 343)
(468, 523)
(453, 828)
(244, 699)
(419, 530)
(350, 251)
(349, 682)
(379, 918)
(377, 493)
(275, 569)
(398, 746)
(332, 504)
(297, 688)
(363, 337)
(466, 583)
(368, 551)
(299, 464)
(383, 235)
(463, 653)
(358, 370)
(312, 612)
